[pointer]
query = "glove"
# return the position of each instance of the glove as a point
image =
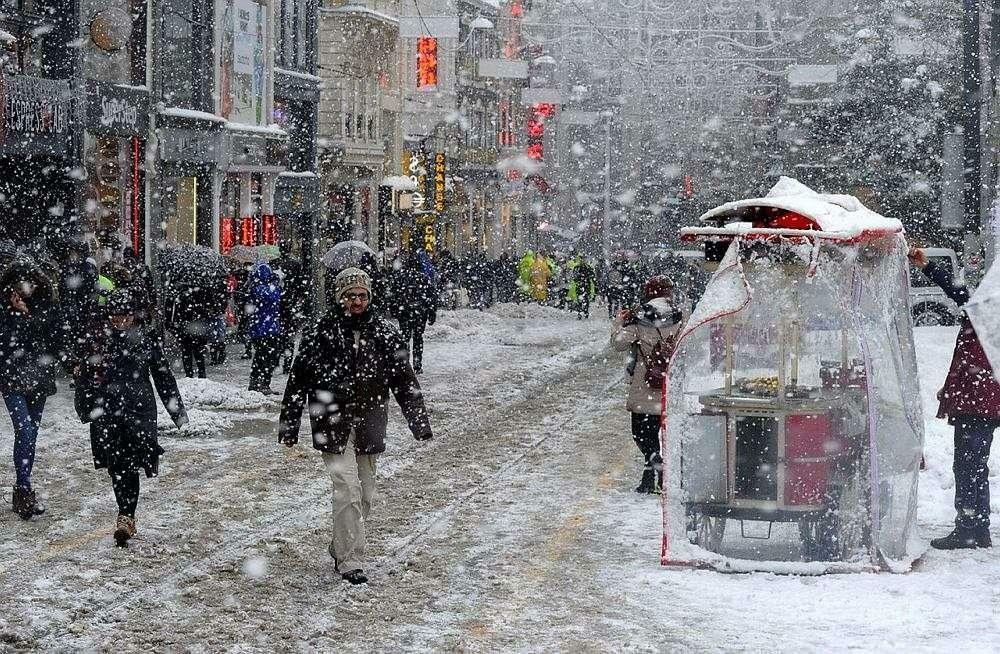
(424, 435)
(181, 420)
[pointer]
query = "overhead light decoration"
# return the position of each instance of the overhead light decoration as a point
(427, 63)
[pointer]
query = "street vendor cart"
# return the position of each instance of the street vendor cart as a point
(792, 421)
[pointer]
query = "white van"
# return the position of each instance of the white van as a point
(930, 306)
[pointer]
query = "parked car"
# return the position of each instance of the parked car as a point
(930, 306)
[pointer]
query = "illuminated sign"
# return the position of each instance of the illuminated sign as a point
(270, 229)
(248, 231)
(427, 63)
(227, 235)
(414, 169)
(440, 171)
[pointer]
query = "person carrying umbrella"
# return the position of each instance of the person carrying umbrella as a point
(970, 400)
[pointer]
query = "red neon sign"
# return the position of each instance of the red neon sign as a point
(427, 63)
(248, 231)
(136, 227)
(227, 235)
(270, 229)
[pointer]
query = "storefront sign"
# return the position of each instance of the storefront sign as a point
(116, 110)
(415, 168)
(37, 106)
(191, 146)
(426, 231)
(254, 151)
(243, 61)
(440, 172)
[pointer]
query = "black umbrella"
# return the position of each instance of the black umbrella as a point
(191, 265)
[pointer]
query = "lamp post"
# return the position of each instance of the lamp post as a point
(972, 141)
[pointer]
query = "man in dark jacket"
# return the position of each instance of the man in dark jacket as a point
(415, 306)
(192, 311)
(345, 369)
(970, 400)
(77, 290)
(31, 344)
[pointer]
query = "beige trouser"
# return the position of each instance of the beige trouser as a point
(353, 477)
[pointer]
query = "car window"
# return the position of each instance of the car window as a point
(919, 280)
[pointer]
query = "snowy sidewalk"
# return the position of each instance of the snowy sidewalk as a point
(515, 529)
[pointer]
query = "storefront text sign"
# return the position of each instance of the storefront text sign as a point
(115, 110)
(440, 172)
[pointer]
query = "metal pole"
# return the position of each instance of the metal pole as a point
(971, 110)
(606, 227)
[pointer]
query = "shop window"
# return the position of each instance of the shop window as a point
(348, 125)
(181, 209)
(186, 32)
(372, 129)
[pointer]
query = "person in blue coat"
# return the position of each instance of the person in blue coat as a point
(264, 328)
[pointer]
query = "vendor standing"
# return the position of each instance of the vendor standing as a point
(970, 400)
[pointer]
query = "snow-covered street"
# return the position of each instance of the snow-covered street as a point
(515, 529)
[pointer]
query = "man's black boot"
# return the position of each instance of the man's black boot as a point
(648, 482)
(963, 539)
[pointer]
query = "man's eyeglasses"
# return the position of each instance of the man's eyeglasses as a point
(356, 297)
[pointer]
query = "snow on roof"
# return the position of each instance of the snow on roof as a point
(400, 183)
(842, 215)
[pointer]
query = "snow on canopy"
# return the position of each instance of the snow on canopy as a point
(841, 217)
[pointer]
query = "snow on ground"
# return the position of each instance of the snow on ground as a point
(514, 530)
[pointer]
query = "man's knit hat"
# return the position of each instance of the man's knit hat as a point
(350, 279)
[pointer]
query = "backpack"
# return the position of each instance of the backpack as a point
(658, 360)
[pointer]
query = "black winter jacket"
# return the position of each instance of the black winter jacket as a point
(345, 370)
(33, 344)
(413, 297)
(120, 374)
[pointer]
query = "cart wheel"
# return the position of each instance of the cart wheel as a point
(710, 533)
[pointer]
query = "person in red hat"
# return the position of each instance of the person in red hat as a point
(648, 335)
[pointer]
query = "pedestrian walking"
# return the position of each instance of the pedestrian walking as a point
(31, 345)
(539, 278)
(414, 306)
(970, 401)
(264, 328)
(648, 335)
(191, 312)
(77, 291)
(120, 405)
(584, 279)
(346, 367)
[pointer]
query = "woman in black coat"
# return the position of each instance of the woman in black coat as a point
(122, 405)
(31, 344)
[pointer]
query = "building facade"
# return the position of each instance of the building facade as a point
(39, 133)
(219, 151)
